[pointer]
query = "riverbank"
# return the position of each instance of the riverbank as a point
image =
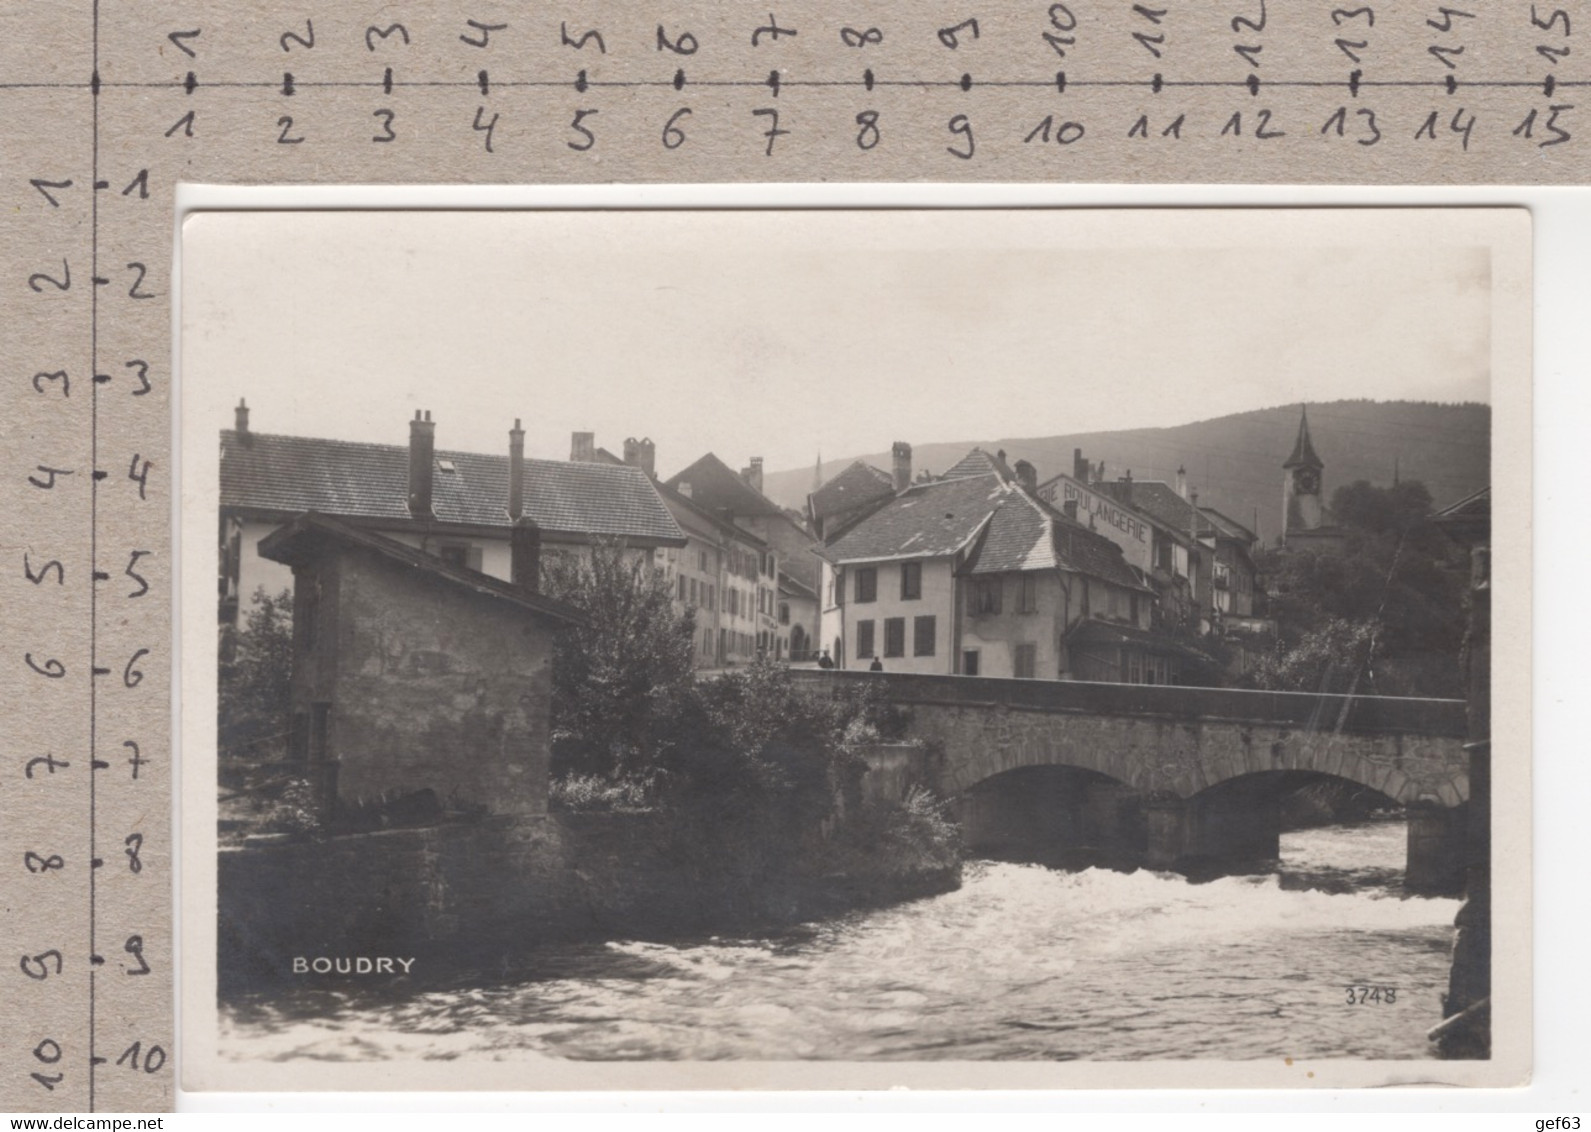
(1020, 962)
(440, 899)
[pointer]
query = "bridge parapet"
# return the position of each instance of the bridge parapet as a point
(1169, 740)
(1381, 715)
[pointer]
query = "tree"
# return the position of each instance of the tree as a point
(256, 682)
(1399, 583)
(623, 679)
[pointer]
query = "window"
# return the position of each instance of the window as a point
(985, 596)
(1026, 661)
(460, 554)
(922, 636)
(693, 591)
(864, 640)
(1027, 593)
(784, 613)
(712, 597)
(839, 590)
(682, 587)
(911, 581)
(703, 562)
(969, 662)
(867, 584)
(1135, 667)
(895, 636)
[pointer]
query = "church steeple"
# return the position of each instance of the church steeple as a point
(1301, 483)
(1303, 451)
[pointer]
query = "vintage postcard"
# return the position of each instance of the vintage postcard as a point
(855, 648)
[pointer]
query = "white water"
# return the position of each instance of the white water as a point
(1022, 962)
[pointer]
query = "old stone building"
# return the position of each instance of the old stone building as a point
(413, 674)
(458, 506)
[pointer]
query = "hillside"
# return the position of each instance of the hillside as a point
(1235, 462)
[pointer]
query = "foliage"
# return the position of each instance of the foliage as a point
(590, 794)
(913, 837)
(623, 679)
(255, 680)
(1400, 583)
(1328, 658)
(291, 810)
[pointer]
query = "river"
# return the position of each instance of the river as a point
(1023, 962)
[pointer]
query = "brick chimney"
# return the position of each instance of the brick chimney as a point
(582, 447)
(753, 473)
(901, 460)
(1079, 466)
(524, 550)
(1182, 481)
(516, 471)
(1027, 476)
(422, 462)
(242, 422)
(641, 454)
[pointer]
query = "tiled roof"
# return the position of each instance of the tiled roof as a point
(1080, 549)
(718, 487)
(924, 521)
(1011, 530)
(1018, 538)
(1226, 526)
(793, 588)
(856, 485)
(680, 504)
(290, 474)
(306, 533)
(1158, 500)
(977, 463)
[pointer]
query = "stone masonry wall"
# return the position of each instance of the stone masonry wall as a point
(438, 688)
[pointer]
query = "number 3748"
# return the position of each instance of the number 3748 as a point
(1359, 995)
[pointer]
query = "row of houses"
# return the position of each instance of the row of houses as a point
(981, 570)
(984, 570)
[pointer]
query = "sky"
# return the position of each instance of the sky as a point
(780, 334)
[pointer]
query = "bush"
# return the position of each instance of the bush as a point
(255, 681)
(589, 794)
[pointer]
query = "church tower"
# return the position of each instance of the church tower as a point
(1301, 483)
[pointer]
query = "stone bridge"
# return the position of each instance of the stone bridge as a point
(1201, 767)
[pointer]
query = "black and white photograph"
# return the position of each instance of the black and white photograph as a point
(946, 647)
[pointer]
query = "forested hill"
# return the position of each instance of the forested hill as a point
(1235, 462)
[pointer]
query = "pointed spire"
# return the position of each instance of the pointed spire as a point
(1303, 451)
(817, 472)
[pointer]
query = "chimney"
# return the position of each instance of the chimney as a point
(1182, 481)
(516, 471)
(582, 447)
(242, 411)
(753, 474)
(1028, 476)
(1079, 466)
(1126, 478)
(649, 457)
(422, 461)
(1100, 477)
(524, 550)
(901, 457)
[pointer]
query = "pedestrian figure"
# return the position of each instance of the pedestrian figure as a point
(824, 660)
(876, 666)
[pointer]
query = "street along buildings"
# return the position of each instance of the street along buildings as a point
(413, 676)
(974, 574)
(458, 506)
